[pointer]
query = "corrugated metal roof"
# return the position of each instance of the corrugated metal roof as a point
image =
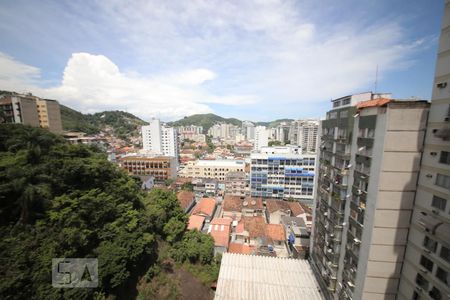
(263, 277)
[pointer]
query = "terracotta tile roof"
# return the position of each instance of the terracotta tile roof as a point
(241, 248)
(195, 222)
(373, 103)
(185, 198)
(296, 208)
(232, 203)
(274, 205)
(236, 203)
(205, 206)
(307, 209)
(255, 226)
(276, 232)
(220, 231)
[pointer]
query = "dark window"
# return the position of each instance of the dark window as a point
(445, 158)
(435, 294)
(443, 276)
(421, 281)
(439, 203)
(443, 181)
(415, 296)
(429, 244)
(428, 264)
(445, 253)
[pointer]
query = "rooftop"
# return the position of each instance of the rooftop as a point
(185, 198)
(241, 248)
(221, 163)
(195, 222)
(205, 206)
(237, 203)
(275, 232)
(220, 231)
(262, 277)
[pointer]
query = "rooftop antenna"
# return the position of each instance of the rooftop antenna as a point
(376, 79)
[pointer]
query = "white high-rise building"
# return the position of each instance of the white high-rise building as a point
(261, 137)
(304, 134)
(160, 139)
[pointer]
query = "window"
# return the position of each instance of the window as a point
(346, 101)
(443, 181)
(443, 276)
(435, 294)
(421, 281)
(445, 253)
(445, 158)
(428, 264)
(439, 203)
(343, 114)
(429, 244)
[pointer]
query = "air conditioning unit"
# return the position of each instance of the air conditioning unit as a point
(350, 284)
(357, 241)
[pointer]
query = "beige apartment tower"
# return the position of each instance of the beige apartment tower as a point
(426, 270)
(369, 163)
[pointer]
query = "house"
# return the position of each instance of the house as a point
(186, 200)
(205, 207)
(249, 229)
(220, 229)
(241, 248)
(297, 235)
(235, 207)
(277, 234)
(196, 222)
(275, 209)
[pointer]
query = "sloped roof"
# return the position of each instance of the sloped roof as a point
(205, 206)
(296, 208)
(255, 226)
(274, 205)
(237, 203)
(373, 103)
(185, 198)
(240, 248)
(221, 234)
(249, 277)
(195, 222)
(275, 232)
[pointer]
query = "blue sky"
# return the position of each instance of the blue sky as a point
(257, 60)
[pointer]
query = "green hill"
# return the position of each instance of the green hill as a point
(205, 120)
(122, 124)
(273, 123)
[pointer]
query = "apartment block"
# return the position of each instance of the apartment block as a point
(160, 139)
(426, 270)
(237, 184)
(369, 162)
(215, 169)
(304, 133)
(160, 167)
(283, 173)
(261, 138)
(31, 110)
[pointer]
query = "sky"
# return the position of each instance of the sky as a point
(258, 60)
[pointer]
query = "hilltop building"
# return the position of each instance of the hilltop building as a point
(31, 110)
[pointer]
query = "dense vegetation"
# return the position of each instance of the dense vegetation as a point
(121, 123)
(273, 123)
(61, 200)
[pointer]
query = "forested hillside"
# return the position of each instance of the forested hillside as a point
(61, 200)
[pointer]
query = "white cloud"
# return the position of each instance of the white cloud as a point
(93, 82)
(179, 58)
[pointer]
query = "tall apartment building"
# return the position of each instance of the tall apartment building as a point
(282, 172)
(369, 162)
(248, 129)
(160, 139)
(237, 184)
(31, 110)
(304, 133)
(261, 138)
(426, 270)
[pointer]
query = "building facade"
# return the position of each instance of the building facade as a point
(215, 169)
(369, 161)
(283, 173)
(237, 184)
(426, 270)
(31, 110)
(261, 138)
(160, 167)
(158, 138)
(304, 133)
